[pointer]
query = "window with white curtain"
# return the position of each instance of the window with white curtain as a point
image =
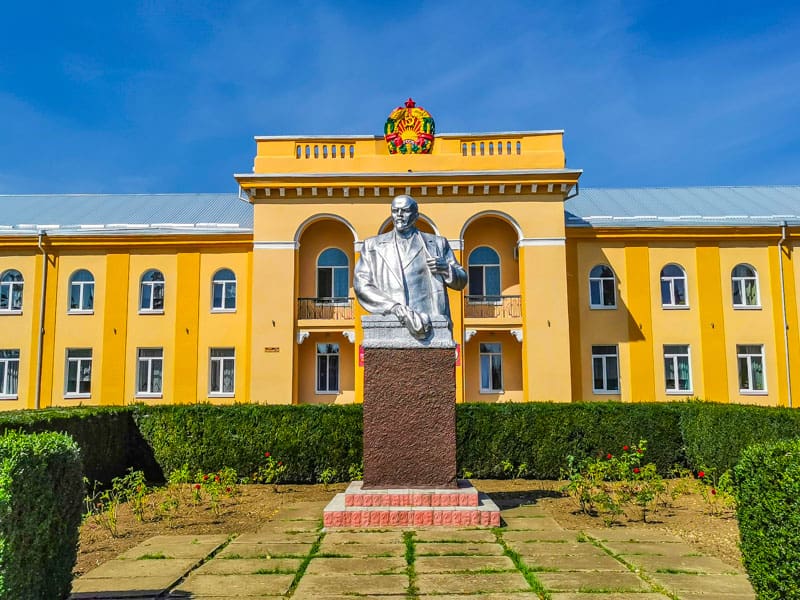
(223, 291)
(79, 372)
(81, 291)
(673, 287)
(222, 371)
(752, 378)
(327, 368)
(11, 284)
(605, 369)
(491, 360)
(9, 373)
(677, 368)
(744, 284)
(149, 371)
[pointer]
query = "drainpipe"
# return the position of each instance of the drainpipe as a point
(785, 321)
(37, 400)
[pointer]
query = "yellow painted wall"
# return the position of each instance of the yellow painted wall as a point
(307, 369)
(316, 238)
(500, 237)
(512, 368)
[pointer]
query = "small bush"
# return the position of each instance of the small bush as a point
(41, 492)
(767, 484)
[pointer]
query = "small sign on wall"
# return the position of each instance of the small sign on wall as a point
(458, 355)
(272, 349)
(360, 355)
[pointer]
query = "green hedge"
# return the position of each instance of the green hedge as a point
(715, 434)
(768, 508)
(41, 494)
(308, 439)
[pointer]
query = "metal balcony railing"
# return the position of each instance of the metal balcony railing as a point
(493, 307)
(325, 308)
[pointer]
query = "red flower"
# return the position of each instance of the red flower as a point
(713, 492)
(636, 470)
(280, 464)
(626, 448)
(638, 451)
(205, 477)
(227, 489)
(701, 474)
(197, 486)
(216, 478)
(608, 456)
(266, 454)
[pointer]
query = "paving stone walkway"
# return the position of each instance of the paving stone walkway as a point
(531, 557)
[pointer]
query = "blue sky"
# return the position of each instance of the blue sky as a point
(163, 96)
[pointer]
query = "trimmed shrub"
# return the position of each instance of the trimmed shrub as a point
(41, 494)
(767, 483)
(716, 434)
(542, 435)
(308, 439)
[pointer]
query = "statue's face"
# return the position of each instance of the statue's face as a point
(404, 213)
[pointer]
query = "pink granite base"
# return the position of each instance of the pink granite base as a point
(461, 507)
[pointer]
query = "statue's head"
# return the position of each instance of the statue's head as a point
(404, 213)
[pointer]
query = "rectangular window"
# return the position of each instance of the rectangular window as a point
(605, 370)
(79, 372)
(491, 357)
(327, 368)
(221, 375)
(677, 368)
(224, 295)
(150, 366)
(751, 368)
(9, 373)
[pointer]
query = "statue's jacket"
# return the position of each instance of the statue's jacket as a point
(383, 277)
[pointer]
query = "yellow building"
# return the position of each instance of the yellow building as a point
(630, 295)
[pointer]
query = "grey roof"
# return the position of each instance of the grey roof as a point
(689, 206)
(62, 214)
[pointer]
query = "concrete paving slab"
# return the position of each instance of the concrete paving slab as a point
(361, 550)
(364, 537)
(269, 537)
(632, 534)
(234, 586)
(710, 595)
(177, 546)
(652, 548)
(599, 561)
(122, 587)
(719, 584)
(611, 596)
(314, 586)
(446, 534)
(548, 535)
(527, 523)
(301, 511)
(357, 566)
(471, 583)
(525, 511)
(448, 564)
(534, 549)
(276, 550)
(123, 568)
(597, 581)
(695, 564)
(315, 596)
(290, 527)
(503, 596)
(249, 566)
(457, 549)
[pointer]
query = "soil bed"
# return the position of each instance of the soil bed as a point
(688, 516)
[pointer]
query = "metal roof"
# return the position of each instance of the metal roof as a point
(124, 213)
(688, 206)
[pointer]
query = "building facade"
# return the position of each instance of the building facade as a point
(574, 294)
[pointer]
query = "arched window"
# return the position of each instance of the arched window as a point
(11, 291)
(333, 276)
(744, 281)
(673, 286)
(81, 291)
(151, 292)
(602, 287)
(484, 275)
(223, 290)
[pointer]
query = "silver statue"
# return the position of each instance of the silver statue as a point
(406, 272)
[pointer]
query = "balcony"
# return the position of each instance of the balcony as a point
(334, 309)
(493, 307)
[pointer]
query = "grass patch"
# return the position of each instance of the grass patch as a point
(273, 572)
(412, 591)
(333, 555)
(669, 571)
(301, 570)
(232, 556)
(527, 573)
(153, 556)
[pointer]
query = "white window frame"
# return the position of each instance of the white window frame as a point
(603, 357)
(224, 284)
(10, 287)
(599, 280)
(151, 310)
(147, 363)
(739, 281)
(83, 372)
(674, 356)
(485, 298)
(493, 355)
(217, 366)
(82, 294)
(741, 353)
(327, 356)
(333, 300)
(671, 279)
(5, 362)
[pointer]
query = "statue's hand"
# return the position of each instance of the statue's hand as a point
(438, 265)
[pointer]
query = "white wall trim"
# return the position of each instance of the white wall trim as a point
(556, 241)
(276, 245)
